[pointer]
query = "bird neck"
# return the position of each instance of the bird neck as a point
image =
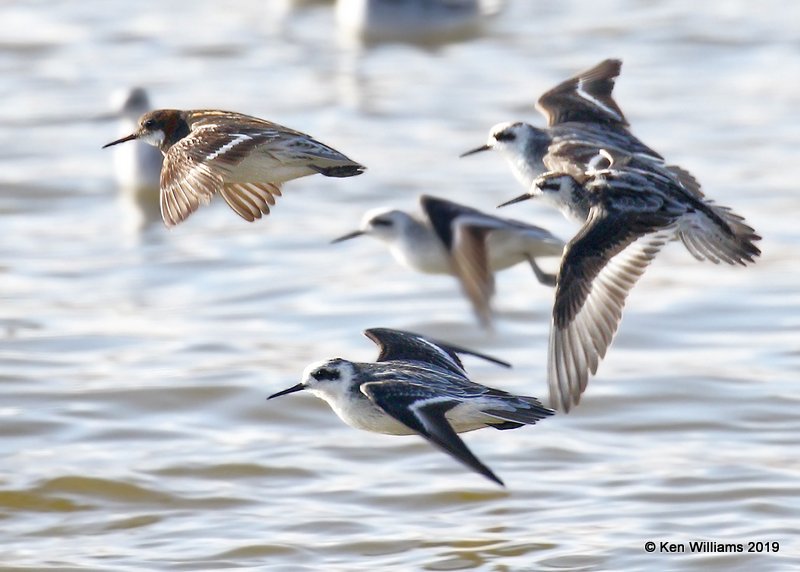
(527, 165)
(178, 129)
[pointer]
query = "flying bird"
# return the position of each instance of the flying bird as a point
(451, 238)
(245, 159)
(418, 386)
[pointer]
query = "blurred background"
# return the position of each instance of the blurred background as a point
(136, 360)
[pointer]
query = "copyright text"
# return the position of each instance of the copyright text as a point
(705, 546)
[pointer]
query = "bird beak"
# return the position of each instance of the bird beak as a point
(130, 137)
(293, 389)
(348, 236)
(518, 199)
(476, 150)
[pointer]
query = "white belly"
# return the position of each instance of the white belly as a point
(508, 249)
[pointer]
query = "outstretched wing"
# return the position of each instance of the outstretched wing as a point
(585, 97)
(401, 345)
(186, 183)
(601, 264)
(464, 232)
(195, 167)
(423, 411)
(470, 257)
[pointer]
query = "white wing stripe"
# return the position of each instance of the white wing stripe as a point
(596, 102)
(237, 139)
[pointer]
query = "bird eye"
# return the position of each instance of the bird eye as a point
(381, 222)
(505, 136)
(324, 374)
(149, 124)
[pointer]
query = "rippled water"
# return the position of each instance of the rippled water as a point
(136, 362)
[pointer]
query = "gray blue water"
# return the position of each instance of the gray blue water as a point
(136, 360)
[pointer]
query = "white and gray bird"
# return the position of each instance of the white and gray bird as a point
(137, 168)
(243, 158)
(628, 214)
(450, 238)
(418, 21)
(418, 386)
(583, 119)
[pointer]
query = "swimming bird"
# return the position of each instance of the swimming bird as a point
(418, 386)
(137, 167)
(628, 215)
(243, 158)
(450, 238)
(424, 21)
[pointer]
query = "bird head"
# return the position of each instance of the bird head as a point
(160, 128)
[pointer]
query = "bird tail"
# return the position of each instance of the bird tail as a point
(522, 411)
(719, 235)
(340, 171)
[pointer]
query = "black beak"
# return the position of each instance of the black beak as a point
(293, 389)
(130, 137)
(348, 236)
(476, 150)
(518, 199)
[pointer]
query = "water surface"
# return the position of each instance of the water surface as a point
(137, 360)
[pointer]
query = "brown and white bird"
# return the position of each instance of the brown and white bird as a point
(245, 159)
(628, 215)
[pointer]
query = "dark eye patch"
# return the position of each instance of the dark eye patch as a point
(325, 374)
(505, 135)
(381, 222)
(149, 124)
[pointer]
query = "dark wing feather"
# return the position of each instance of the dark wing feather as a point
(585, 97)
(423, 411)
(574, 147)
(186, 183)
(214, 117)
(250, 200)
(471, 265)
(441, 213)
(195, 168)
(601, 265)
(406, 346)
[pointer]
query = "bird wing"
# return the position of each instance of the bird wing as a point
(601, 264)
(423, 411)
(293, 145)
(442, 213)
(470, 258)
(464, 232)
(186, 183)
(575, 147)
(250, 200)
(195, 168)
(585, 97)
(214, 118)
(401, 345)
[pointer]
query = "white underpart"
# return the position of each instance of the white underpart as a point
(154, 138)
(561, 199)
(596, 101)
(525, 170)
(412, 243)
(237, 139)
